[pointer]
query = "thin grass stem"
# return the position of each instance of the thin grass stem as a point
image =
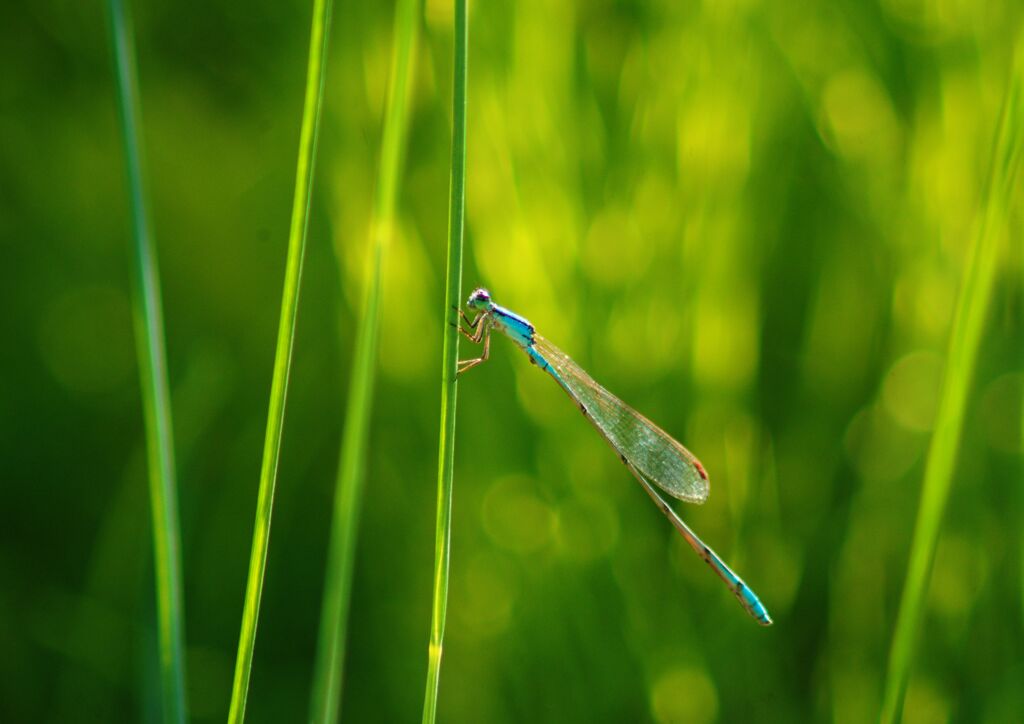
(330, 657)
(450, 356)
(152, 359)
(968, 323)
(283, 355)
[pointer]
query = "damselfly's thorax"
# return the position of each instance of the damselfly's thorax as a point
(517, 328)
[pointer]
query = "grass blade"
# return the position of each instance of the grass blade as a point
(450, 356)
(968, 323)
(283, 354)
(330, 658)
(152, 360)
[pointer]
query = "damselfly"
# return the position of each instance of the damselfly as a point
(648, 451)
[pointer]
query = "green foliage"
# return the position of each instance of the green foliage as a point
(751, 221)
(283, 354)
(965, 341)
(449, 364)
(330, 659)
(152, 359)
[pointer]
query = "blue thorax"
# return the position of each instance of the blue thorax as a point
(517, 328)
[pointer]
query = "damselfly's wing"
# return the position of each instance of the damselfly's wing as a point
(646, 447)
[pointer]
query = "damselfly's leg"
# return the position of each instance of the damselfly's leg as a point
(485, 332)
(470, 323)
(476, 325)
(481, 333)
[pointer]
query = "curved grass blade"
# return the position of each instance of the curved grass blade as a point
(330, 657)
(965, 339)
(450, 356)
(283, 355)
(152, 358)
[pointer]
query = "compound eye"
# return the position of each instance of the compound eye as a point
(479, 296)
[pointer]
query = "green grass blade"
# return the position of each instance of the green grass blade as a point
(283, 355)
(152, 360)
(452, 298)
(968, 323)
(330, 658)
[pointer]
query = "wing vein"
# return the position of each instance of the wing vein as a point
(644, 445)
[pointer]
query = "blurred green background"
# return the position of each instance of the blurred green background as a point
(747, 219)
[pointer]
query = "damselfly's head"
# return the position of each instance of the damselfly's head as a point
(480, 300)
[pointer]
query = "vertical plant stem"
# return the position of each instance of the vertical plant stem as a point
(330, 658)
(965, 339)
(452, 297)
(283, 355)
(152, 359)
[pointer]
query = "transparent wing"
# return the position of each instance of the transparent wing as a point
(646, 447)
